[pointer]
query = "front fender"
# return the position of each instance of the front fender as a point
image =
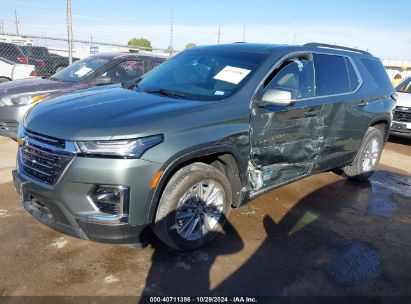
(190, 155)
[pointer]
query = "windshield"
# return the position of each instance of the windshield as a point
(405, 86)
(203, 74)
(80, 69)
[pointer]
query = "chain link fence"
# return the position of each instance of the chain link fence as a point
(28, 55)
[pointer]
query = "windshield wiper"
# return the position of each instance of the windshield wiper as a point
(131, 83)
(166, 93)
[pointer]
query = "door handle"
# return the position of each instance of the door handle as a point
(363, 103)
(312, 113)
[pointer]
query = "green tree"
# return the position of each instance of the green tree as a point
(190, 45)
(143, 43)
(170, 50)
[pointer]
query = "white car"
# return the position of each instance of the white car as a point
(11, 71)
(401, 125)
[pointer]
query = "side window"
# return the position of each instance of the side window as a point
(378, 73)
(154, 64)
(352, 75)
(125, 71)
(295, 76)
(331, 75)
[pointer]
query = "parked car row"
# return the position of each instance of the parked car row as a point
(46, 64)
(16, 97)
(176, 149)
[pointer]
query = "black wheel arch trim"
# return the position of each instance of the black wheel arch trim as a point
(375, 121)
(381, 119)
(185, 156)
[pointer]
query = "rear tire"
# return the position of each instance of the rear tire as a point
(368, 156)
(193, 207)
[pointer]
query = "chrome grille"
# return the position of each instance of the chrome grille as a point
(46, 139)
(44, 158)
(403, 116)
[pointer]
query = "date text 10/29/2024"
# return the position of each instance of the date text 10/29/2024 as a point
(203, 300)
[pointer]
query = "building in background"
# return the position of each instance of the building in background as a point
(394, 67)
(19, 40)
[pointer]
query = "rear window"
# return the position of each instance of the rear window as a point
(378, 73)
(10, 48)
(331, 75)
(35, 52)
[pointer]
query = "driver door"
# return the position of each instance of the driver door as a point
(286, 139)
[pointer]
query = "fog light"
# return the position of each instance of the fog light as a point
(111, 199)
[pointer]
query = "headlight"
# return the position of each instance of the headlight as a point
(127, 148)
(22, 99)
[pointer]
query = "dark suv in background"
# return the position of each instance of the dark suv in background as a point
(12, 52)
(208, 130)
(46, 63)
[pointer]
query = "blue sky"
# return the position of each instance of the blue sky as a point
(374, 25)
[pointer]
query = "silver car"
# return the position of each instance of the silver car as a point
(16, 97)
(401, 125)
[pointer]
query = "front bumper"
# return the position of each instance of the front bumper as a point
(67, 207)
(401, 129)
(10, 117)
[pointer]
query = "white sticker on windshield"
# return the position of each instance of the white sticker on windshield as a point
(232, 74)
(83, 71)
(219, 93)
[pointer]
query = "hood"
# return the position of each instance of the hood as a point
(404, 100)
(33, 85)
(104, 113)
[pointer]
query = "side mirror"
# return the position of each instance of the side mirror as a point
(102, 80)
(277, 98)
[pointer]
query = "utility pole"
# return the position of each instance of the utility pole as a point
(219, 34)
(69, 31)
(295, 36)
(1, 27)
(171, 32)
(16, 21)
(243, 32)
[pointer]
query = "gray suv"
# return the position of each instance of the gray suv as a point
(207, 131)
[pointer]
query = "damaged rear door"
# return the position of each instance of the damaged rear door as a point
(285, 138)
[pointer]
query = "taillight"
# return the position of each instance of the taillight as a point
(41, 63)
(22, 59)
(33, 73)
(394, 96)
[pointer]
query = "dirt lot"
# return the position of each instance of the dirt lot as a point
(324, 235)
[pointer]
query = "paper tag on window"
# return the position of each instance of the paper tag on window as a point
(83, 71)
(232, 74)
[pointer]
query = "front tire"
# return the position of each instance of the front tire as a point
(3, 79)
(193, 207)
(368, 156)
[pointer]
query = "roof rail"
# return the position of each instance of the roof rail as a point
(337, 47)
